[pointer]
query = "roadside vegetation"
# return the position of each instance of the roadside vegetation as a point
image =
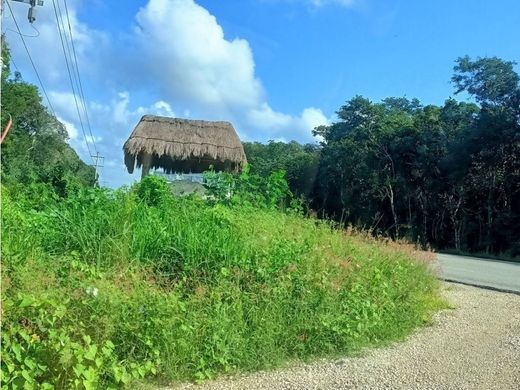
(104, 287)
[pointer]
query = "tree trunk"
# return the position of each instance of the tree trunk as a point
(490, 215)
(392, 206)
(147, 163)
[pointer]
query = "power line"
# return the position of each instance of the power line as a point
(31, 60)
(71, 79)
(82, 95)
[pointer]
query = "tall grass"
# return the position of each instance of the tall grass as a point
(187, 289)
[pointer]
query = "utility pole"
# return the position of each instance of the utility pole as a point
(97, 165)
(32, 10)
(31, 16)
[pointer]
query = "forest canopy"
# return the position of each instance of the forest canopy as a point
(446, 176)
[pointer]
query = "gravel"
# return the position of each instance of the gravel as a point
(474, 346)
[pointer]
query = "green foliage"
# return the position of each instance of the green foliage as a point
(248, 189)
(152, 190)
(299, 162)
(444, 176)
(102, 288)
(47, 350)
(491, 81)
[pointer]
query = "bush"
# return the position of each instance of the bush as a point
(152, 190)
(249, 190)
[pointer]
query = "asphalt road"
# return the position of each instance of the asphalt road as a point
(502, 275)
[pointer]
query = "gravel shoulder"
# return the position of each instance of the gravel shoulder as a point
(474, 346)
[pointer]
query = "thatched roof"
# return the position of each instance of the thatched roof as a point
(183, 145)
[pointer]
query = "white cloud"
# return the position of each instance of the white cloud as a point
(92, 139)
(265, 118)
(72, 131)
(64, 104)
(278, 125)
(91, 45)
(187, 54)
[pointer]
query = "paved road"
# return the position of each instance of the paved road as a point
(481, 272)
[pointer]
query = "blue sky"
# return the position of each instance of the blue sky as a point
(274, 68)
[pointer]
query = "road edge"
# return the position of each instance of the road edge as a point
(482, 286)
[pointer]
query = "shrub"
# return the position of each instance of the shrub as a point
(152, 190)
(249, 190)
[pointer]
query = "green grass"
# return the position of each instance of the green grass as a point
(184, 289)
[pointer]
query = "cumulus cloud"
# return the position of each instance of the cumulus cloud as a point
(117, 119)
(185, 49)
(192, 62)
(64, 104)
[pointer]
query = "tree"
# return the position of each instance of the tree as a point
(36, 148)
(300, 163)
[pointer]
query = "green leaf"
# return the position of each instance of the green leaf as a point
(91, 353)
(17, 352)
(90, 374)
(26, 301)
(78, 369)
(27, 376)
(30, 363)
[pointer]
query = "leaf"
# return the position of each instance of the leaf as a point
(26, 301)
(27, 376)
(118, 375)
(90, 374)
(91, 353)
(89, 385)
(78, 369)
(17, 352)
(126, 378)
(30, 363)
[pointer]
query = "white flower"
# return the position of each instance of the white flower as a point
(92, 291)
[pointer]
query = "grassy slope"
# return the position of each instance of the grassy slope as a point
(188, 290)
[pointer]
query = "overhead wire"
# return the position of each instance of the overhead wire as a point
(31, 60)
(59, 25)
(26, 35)
(82, 94)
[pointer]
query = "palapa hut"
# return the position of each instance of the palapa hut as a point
(183, 145)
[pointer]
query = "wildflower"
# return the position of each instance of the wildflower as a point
(92, 291)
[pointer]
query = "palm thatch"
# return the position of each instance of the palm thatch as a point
(183, 145)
